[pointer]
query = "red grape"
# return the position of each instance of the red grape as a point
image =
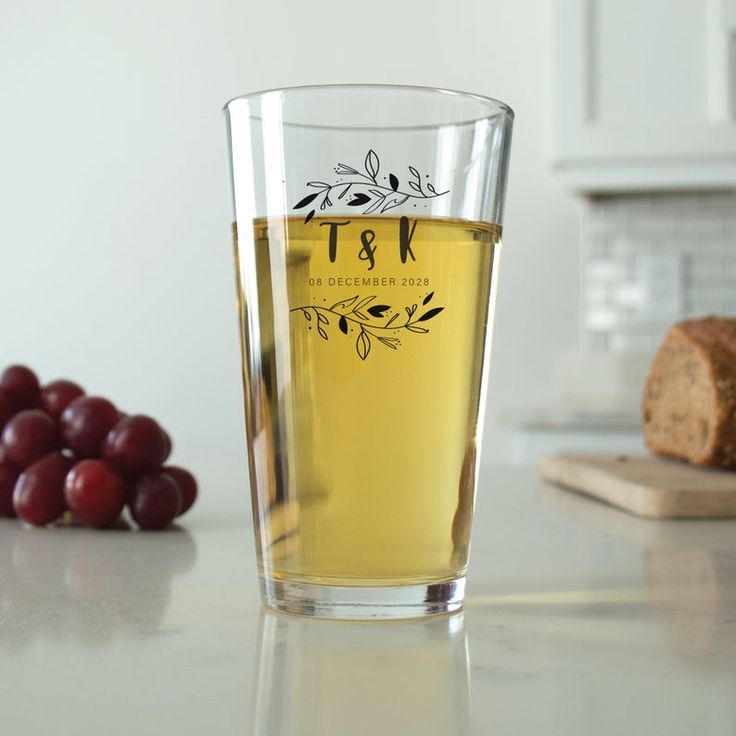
(28, 436)
(6, 408)
(95, 493)
(169, 445)
(57, 395)
(52, 444)
(8, 476)
(4, 456)
(156, 501)
(21, 384)
(187, 486)
(85, 424)
(135, 445)
(39, 493)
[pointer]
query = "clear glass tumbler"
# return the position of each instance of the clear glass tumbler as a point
(367, 230)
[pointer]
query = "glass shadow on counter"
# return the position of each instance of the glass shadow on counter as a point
(321, 677)
(111, 582)
(688, 575)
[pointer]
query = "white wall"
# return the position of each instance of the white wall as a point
(114, 238)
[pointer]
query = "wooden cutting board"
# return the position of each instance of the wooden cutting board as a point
(646, 486)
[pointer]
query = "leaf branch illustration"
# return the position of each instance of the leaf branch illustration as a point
(365, 189)
(366, 318)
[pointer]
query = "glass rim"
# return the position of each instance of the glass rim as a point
(494, 106)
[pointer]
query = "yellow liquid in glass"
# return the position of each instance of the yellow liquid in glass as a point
(363, 388)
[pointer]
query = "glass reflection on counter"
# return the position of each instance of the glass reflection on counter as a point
(114, 582)
(322, 677)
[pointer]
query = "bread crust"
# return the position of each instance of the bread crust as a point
(713, 339)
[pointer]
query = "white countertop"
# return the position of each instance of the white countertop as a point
(579, 620)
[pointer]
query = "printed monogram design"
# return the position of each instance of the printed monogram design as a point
(366, 189)
(370, 322)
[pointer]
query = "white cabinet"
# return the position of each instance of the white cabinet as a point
(645, 94)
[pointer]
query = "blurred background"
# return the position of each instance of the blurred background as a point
(116, 263)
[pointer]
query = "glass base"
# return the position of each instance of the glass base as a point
(369, 603)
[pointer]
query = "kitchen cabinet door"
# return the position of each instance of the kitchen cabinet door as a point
(645, 94)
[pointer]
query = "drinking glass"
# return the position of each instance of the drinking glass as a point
(367, 232)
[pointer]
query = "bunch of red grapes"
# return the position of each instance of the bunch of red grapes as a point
(62, 451)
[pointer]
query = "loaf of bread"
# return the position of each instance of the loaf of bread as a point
(689, 403)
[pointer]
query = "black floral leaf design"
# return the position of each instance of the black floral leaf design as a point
(359, 199)
(309, 216)
(390, 342)
(344, 304)
(345, 169)
(326, 202)
(307, 200)
(361, 304)
(371, 164)
(367, 322)
(363, 345)
(429, 314)
(395, 202)
(383, 196)
(377, 310)
(375, 205)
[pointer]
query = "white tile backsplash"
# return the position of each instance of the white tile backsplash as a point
(651, 259)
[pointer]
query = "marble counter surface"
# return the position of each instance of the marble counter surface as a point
(579, 620)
